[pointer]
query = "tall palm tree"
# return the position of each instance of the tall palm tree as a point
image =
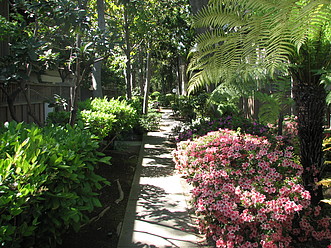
(295, 34)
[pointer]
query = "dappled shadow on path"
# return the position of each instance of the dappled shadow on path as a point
(159, 207)
(159, 210)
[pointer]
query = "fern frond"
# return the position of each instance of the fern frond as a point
(251, 32)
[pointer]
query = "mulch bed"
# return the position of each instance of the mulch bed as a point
(106, 223)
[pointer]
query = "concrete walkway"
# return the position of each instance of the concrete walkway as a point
(157, 214)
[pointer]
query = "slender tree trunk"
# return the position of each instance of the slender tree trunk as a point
(179, 79)
(147, 82)
(10, 101)
(75, 88)
(141, 64)
(96, 80)
(280, 123)
(23, 87)
(127, 52)
(310, 104)
(97, 67)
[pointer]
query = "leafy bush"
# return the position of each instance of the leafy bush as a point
(126, 116)
(137, 103)
(155, 96)
(151, 121)
(289, 131)
(60, 117)
(184, 107)
(203, 126)
(166, 100)
(99, 123)
(247, 192)
(47, 182)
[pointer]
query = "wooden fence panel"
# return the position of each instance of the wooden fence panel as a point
(39, 94)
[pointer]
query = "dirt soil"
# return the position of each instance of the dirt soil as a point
(103, 232)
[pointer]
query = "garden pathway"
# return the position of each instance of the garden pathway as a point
(157, 212)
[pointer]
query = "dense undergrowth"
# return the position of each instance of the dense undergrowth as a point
(48, 183)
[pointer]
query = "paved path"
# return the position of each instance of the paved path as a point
(157, 214)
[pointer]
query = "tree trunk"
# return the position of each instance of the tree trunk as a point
(310, 104)
(23, 86)
(96, 80)
(147, 82)
(280, 123)
(127, 53)
(10, 101)
(96, 71)
(179, 81)
(74, 94)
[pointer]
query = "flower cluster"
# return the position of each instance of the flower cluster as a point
(246, 191)
(204, 126)
(289, 131)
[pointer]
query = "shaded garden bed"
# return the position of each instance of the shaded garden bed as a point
(104, 229)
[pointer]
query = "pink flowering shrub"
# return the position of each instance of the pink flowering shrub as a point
(289, 131)
(290, 127)
(247, 191)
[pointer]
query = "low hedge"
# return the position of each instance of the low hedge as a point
(47, 182)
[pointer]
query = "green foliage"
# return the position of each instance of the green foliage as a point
(99, 123)
(191, 107)
(165, 100)
(327, 161)
(103, 117)
(60, 117)
(155, 95)
(126, 116)
(184, 107)
(276, 101)
(150, 121)
(326, 183)
(47, 182)
(137, 103)
(270, 109)
(243, 35)
(203, 126)
(226, 99)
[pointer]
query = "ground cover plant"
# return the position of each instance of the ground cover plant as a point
(47, 182)
(247, 191)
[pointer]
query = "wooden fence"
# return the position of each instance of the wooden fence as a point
(41, 95)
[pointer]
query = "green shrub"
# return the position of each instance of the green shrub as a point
(184, 107)
(126, 115)
(204, 126)
(47, 182)
(99, 123)
(151, 121)
(137, 103)
(155, 95)
(167, 100)
(191, 107)
(60, 117)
